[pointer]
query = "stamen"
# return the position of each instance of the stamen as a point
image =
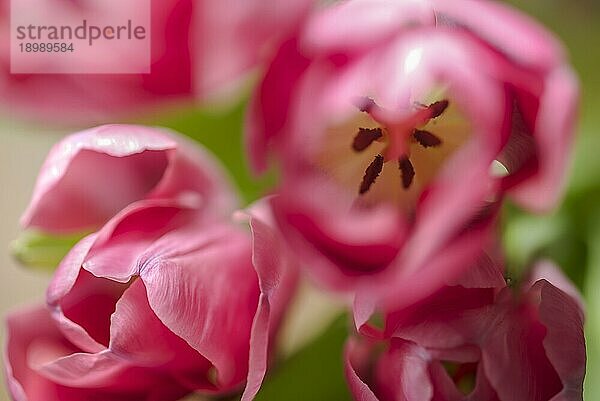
(371, 174)
(407, 171)
(438, 108)
(426, 138)
(365, 137)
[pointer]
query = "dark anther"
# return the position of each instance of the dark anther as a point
(438, 108)
(407, 171)
(365, 104)
(426, 138)
(371, 174)
(365, 137)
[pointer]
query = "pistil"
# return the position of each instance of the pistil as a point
(393, 135)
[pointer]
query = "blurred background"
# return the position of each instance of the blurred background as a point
(570, 236)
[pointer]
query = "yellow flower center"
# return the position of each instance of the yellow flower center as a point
(385, 160)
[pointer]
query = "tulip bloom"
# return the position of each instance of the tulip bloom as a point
(397, 122)
(485, 344)
(157, 275)
(150, 295)
(90, 176)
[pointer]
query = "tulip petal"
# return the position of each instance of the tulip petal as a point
(538, 351)
(125, 163)
(126, 236)
(448, 319)
(554, 136)
(188, 281)
(36, 352)
(24, 384)
(270, 104)
(352, 360)
(62, 283)
(278, 276)
(351, 26)
(400, 288)
(564, 343)
(402, 373)
(88, 99)
(139, 337)
(330, 236)
(96, 271)
(83, 369)
(503, 29)
(228, 52)
(485, 273)
(515, 360)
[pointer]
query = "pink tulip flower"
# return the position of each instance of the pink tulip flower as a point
(484, 344)
(167, 284)
(397, 122)
(90, 176)
(162, 291)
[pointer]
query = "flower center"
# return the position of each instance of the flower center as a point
(426, 139)
(378, 155)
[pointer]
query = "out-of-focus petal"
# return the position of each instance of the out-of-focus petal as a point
(232, 38)
(504, 29)
(351, 26)
(333, 240)
(90, 176)
(554, 132)
(88, 99)
(268, 112)
(23, 328)
(123, 163)
(497, 342)
(398, 289)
